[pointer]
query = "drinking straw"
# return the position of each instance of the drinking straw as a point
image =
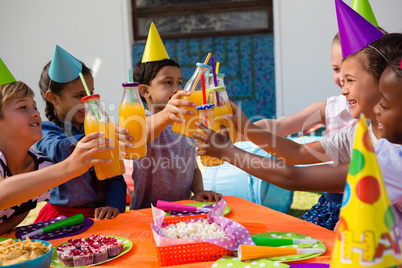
(89, 94)
(73, 220)
(217, 67)
(204, 96)
(130, 80)
(215, 81)
(199, 75)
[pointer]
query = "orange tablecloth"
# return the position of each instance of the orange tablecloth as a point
(135, 225)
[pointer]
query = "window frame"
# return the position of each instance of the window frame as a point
(202, 8)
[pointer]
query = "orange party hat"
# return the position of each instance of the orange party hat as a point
(367, 235)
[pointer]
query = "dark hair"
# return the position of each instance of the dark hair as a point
(144, 73)
(45, 84)
(396, 66)
(375, 57)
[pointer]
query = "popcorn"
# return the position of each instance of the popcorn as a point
(201, 229)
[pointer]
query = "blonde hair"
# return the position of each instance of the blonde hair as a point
(9, 91)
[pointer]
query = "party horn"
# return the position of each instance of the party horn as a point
(277, 242)
(246, 252)
(76, 219)
(169, 206)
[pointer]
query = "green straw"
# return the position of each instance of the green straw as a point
(130, 80)
(89, 94)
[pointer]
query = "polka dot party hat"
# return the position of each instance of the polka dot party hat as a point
(367, 234)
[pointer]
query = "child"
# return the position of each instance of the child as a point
(169, 171)
(62, 91)
(366, 67)
(26, 174)
(389, 116)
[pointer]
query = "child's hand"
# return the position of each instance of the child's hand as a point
(125, 141)
(239, 119)
(211, 142)
(175, 107)
(82, 157)
(209, 196)
(106, 213)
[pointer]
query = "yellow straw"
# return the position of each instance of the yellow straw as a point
(89, 93)
(217, 67)
(199, 75)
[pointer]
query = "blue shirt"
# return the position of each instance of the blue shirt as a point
(85, 191)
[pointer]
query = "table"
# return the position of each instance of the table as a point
(135, 225)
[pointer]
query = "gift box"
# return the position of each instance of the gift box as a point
(172, 251)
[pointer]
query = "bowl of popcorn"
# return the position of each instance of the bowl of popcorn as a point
(25, 253)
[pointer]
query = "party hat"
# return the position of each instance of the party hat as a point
(367, 235)
(355, 32)
(64, 67)
(5, 75)
(363, 8)
(154, 48)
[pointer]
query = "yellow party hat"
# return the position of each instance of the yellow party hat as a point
(154, 48)
(367, 235)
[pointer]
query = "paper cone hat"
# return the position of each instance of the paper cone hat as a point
(355, 32)
(363, 8)
(154, 48)
(64, 67)
(367, 235)
(5, 75)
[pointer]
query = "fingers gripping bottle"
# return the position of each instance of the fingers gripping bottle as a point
(206, 117)
(96, 120)
(132, 118)
(188, 127)
(222, 107)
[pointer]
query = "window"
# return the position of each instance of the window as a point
(200, 18)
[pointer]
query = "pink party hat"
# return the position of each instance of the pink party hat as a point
(355, 31)
(64, 67)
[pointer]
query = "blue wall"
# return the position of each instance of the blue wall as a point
(247, 62)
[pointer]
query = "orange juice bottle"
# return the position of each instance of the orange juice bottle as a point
(220, 77)
(206, 116)
(222, 107)
(193, 85)
(96, 120)
(132, 118)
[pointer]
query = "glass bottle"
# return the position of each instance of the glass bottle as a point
(206, 116)
(220, 77)
(132, 118)
(96, 120)
(222, 107)
(193, 85)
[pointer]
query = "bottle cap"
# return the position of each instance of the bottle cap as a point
(205, 107)
(93, 96)
(204, 65)
(130, 84)
(217, 75)
(215, 89)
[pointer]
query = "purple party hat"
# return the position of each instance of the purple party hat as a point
(64, 67)
(355, 31)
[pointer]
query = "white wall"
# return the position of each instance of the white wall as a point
(97, 32)
(303, 35)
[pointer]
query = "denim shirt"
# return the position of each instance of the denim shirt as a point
(85, 191)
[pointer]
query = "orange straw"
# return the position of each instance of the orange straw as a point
(204, 96)
(199, 75)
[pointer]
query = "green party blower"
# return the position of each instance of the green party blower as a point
(76, 219)
(277, 242)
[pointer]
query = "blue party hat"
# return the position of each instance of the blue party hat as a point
(355, 31)
(64, 67)
(5, 75)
